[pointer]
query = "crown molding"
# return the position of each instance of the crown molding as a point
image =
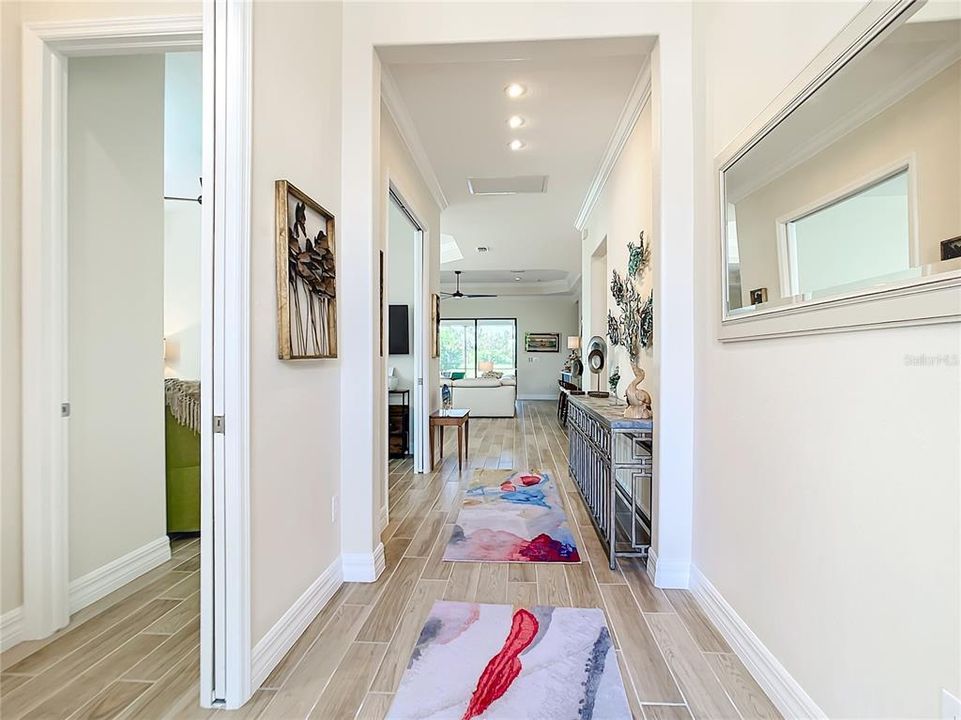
(109, 35)
(639, 96)
(390, 94)
(891, 95)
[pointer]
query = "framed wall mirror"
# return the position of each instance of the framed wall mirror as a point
(839, 210)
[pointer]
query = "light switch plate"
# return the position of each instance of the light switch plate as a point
(950, 706)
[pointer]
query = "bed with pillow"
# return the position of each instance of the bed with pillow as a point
(485, 396)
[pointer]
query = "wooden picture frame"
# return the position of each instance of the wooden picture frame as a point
(435, 325)
(542, 342)
(951, 248)
(381, 306)
(306, 276)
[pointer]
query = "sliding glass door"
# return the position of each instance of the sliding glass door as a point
(466, 343)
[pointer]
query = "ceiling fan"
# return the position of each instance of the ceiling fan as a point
(458, 294)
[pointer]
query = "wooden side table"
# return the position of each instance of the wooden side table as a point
(461, 420)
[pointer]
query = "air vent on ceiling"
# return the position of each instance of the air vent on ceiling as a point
(508, 185)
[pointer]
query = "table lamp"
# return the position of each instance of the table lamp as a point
(485, 367)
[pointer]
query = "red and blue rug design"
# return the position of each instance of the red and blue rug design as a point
(495, 662)
(512, 517)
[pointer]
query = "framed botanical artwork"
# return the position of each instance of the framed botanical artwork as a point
(542, 342)
(306, 276)
(434, 325)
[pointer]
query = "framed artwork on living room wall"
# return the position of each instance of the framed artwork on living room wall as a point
(542, 342)
(306, 276)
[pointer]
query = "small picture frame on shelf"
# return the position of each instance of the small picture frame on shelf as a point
(758, 296)
(951, 248)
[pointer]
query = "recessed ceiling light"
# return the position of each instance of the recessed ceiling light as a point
(515, 90)
(516, 121)
(517, 279)
(482, 248)
(516, 145)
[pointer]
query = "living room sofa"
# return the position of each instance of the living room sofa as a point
(484, 397)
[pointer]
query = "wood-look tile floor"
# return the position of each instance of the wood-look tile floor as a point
(137, 658)
(134, 654)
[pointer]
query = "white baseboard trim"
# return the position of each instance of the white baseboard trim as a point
(272, 647)
(384, 518)
(115, 574)
(11, 628)
(364, 567)
(668, 574)
(537, 397)
(783, 690)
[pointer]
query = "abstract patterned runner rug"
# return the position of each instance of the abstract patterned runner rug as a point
(511, 517)
(495, 662)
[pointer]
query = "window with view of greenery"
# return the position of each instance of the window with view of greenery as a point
(467, 342)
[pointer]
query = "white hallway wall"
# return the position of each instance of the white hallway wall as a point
(826, 497)
(294, 406)
(537, 373)
(116, 311)
(623, 209)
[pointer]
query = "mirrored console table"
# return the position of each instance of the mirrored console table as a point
(611, 461)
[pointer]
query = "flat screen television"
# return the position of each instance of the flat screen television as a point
(398, 335)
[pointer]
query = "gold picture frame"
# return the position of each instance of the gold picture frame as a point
(306, 276)
(435, 325)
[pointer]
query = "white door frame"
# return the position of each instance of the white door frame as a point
(419, 404)
(225, 591)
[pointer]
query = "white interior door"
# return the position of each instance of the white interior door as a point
(407, 286)
(421, 356)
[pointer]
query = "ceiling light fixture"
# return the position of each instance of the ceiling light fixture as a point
(515, 121)
(517, 279)
(515, 90)
(482, 248)
(516, 145)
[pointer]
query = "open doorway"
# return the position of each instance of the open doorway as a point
(405, 348)
(98, 183)
(102, 577)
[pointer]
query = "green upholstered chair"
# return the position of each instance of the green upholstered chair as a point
(183, 476)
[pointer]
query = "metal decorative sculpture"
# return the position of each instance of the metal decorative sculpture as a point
(634, 328)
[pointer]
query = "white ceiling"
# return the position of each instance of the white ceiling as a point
(454, 96)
